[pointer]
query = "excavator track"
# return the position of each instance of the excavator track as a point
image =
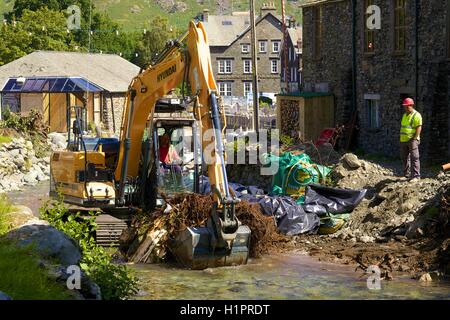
(109, 229)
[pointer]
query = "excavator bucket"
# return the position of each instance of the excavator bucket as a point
(194, 250)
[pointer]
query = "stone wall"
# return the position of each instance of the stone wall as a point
(384, 74)
(331, 69)
(113, 105)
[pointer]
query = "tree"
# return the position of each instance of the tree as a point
(107, 36)
(43, 29)
(154, 41)
(56, 5)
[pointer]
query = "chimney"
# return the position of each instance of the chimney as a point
(205, 15)
(268, 8)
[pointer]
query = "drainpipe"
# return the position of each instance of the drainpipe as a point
(416, 54)
(354, 64)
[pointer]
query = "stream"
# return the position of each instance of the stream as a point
(282, 276)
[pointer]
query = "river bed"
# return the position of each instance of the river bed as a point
(283, 276)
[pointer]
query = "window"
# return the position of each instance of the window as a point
(247, 88)
(274, 66)
(318, 30)
(373, 113)
(400, 25)
(245, 48)
(369, 35)
(225, 66)
(263, 46)
(247, 66)
(225, 89)
(276, 46)
(293, 75)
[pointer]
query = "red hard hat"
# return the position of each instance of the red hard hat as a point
(408, 102)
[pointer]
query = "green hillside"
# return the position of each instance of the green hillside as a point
(134, 14)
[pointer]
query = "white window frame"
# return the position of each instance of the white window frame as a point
(278, 43)
(247, 92)
(247, 46)
(225, 88)
(272, 65)
(225, 66)
(247, 63)
(262, 46)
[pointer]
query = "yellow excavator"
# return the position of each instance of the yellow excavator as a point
(113, 174)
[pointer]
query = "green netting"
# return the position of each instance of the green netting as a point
(295, 172)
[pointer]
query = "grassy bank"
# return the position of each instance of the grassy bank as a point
(21, 277)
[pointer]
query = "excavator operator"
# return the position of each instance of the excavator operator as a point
(168, 155)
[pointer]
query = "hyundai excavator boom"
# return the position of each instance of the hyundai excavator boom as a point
(121, 175)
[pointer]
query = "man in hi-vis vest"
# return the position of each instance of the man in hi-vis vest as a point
(410, 130)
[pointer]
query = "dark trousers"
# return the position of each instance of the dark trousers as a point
(409, 152)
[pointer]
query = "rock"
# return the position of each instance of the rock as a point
(352, 161)
(31, 177)
(426, 277)
(366, 239)
(89, 289)
(29, 145)
(58, 140)
(49, 243)
(19, 161)
(4, 296)
(42, 177)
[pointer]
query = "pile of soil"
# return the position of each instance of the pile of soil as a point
(264, 237)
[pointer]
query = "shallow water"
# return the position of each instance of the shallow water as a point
(31, 196)
(289, 276)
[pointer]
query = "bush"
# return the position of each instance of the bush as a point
(33, 122)
(287, 141)
(115, 281)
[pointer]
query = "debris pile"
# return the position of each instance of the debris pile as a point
(354, 173)
(148, 239)
(392, 207)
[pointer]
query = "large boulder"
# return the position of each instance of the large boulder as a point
(49, 243)
(352, 161)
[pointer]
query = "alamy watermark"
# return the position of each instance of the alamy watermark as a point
(374, 279)
(73, 282)
(373, 21)
(74, 17)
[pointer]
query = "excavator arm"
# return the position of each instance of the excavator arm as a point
(187, 59)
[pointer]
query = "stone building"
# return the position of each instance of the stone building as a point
(51, 82)
(230, 46)
(371, 70)
(293, 58)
